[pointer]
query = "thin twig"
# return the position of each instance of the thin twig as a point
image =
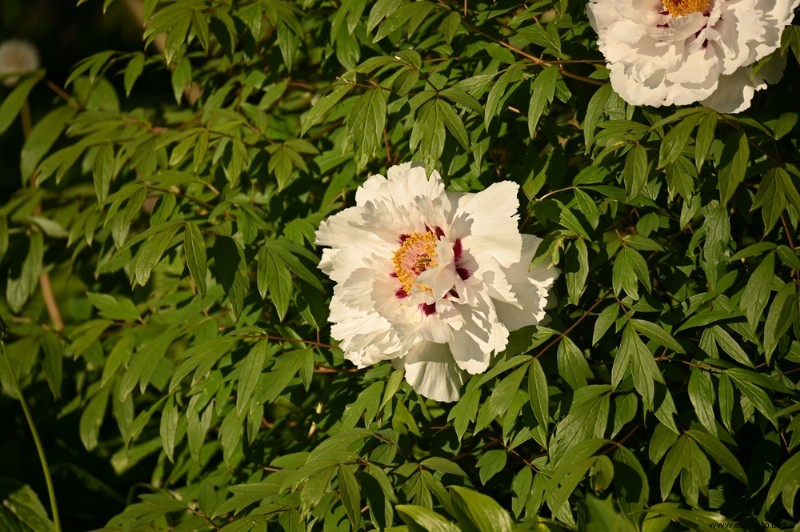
(788, 233)
(300, 340)
(44, 278)
(51, 492)
(534, 59)
(388, 150)
(569, 329)
(50, 302)
(63, 94)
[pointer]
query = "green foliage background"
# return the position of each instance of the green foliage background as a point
(169, 198)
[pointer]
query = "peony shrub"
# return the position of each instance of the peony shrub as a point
(406, 265)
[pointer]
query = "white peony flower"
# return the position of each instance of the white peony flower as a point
(429, 279)
(17, 56)
(685, 51)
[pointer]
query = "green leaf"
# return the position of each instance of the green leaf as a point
(567, 480)
(631, 484)
(428, 135)
(443, 465)
(322, 107)
(477, 512)
(543, 89)
(150, 253)
(168, 429)
(635, 171)
(576, 270)
(730, 345)
(350, 494)
(733, 165)
(13, 103)
(705, 135)
(605, 320)
(784, 125)
(53, 361)
(366, 122)
(594, 112)
(568, 219)
(642, 366)
(702, 397)
(603, 517)
(114, 308)
(772, 197)
(462, 98)
(230, 269)
(286, 367)
(498, 92)
(726, 401)
(147, 356)
(656, 333)
(288, 252)
(572, 365)
(755, 394)
(23, 276)
(721, 455)
(278, 281)
(676, 139)
(693, 519)
(782, 313)
(120, 355)
(491, 463)
(539, 393)
(104, 171)
(421, 519)
(786, 482)
(251, 368)
(42, 137)
(92, 418)
(454, 124)
(625, 272)
(500, 400)
(20, 508)
(195, 248)
(132, 71)
(678, 458)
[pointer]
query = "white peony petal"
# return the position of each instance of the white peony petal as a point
(658, 59)
(432, 373)
(481, 336)
(492, 214)
(735, 92)
(428, 279)
(531, 287)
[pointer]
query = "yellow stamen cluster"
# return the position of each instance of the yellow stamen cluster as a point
(416, 254)
(679, 8)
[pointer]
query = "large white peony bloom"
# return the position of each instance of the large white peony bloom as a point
(429, 279)
(685, 51)
(17, 56)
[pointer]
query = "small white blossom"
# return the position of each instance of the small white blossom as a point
(677, 52)
(16, 57)
(429, 279)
